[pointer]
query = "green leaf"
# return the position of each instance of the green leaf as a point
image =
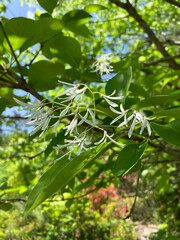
(81, 30)
(43, 75)
(169, 132)
(23, 32)
(44, 29)
(128, 158)
(158, 100)
(58, 175)
(137, 90)
(66, 49)
(120, 83)
(94, 8)
(48, 5)
(5, 206)
(173, 112)
(3, 104)
(76, 18)
(56, 140)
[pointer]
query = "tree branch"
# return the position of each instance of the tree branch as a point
(173, 2)
(133, 13)
(161, 60)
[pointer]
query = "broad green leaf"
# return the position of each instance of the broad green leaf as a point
(158, 100)
(58, 175)
(137, 90)
(81, 30)
(23, 32)
(48, 5)
(66, 49)
(5, 206)
(173, 112)
(76, 18)
(128, 158)
(45, 28)
(56, 140)
(169, 132)
(43, 75)
(94, 8)
(3, 104)
(120, 83)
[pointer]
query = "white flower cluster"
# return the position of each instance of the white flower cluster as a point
(135, 118)
(71, 107)
(102, 64)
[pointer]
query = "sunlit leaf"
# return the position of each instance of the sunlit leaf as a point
(128, 158)
(58, 175)
(169, 132)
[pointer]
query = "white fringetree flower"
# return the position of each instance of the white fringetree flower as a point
(110, 97)
(104, 139)
(102, 64)
(138, 118)
(38, 116)
(84, 119)
(122, 114)
(71, 94)
(80, 142)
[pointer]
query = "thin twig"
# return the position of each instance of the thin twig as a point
(135, 198)
(13, 53)
(35, 56)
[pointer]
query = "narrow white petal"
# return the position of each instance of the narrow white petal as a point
(92, 115)
(103, 139)
(121, 108)
(148, 128)
(111, 103)
(64, 112)
(114, 110)
(83, 118)
(55, 126)
(122, 124)
(143, 125)
(20, 102)
(116, 119)
(132, 127)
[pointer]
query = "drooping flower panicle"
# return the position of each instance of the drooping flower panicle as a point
(102, 64)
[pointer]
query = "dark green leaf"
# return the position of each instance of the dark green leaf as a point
(58, 175)
(138, 90)
(173, 112)
(120, 83)
(66, 49)
(158, 100)
(169, 132)
(43, 75)
(56, 140)
(48, 5)
(128, 158)
(76, 18)
(5, 206)
(3, 104)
